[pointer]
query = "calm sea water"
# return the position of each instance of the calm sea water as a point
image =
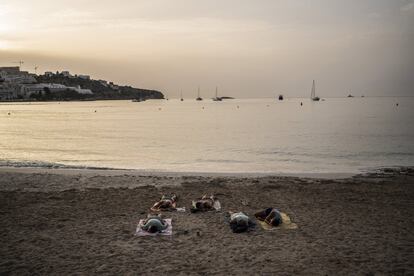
(236, 136)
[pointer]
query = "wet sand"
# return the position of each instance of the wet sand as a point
(83, 222)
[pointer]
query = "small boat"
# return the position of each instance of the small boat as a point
(217, 99)
(198, 95)
(313, 94)
(350, 96)
(181, 99)
(280, 97)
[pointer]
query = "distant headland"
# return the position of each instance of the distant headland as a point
(16, 85)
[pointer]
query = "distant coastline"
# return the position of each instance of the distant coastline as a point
(21, 86)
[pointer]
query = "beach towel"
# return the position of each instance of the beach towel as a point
(141, 233)
(216, 205)
(286, 223)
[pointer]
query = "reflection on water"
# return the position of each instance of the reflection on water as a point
(255, 135)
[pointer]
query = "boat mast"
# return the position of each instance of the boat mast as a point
(313, 90)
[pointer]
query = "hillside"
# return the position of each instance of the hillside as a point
(100, 90)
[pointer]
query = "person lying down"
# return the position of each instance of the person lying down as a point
(205, 203)
(270, 216)
(167, 203)
(154, 224)
(240, 222)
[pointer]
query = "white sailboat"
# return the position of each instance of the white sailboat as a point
(313, 94)
(217, 98)
(198, 95)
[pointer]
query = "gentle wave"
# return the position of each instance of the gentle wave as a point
(47, 165)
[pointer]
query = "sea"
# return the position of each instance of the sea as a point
(293, 136)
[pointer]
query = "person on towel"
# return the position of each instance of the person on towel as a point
(166, 203)
(205, 203)
(271, 216)
(240, 222)
(154, 224)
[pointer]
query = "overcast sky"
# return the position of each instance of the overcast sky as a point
(249, 48)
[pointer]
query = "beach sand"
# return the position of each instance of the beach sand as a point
(83, 222)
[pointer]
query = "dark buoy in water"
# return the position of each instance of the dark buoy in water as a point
(238, 106)
(8, 113)
(396, 104)
(301, 103)
(95, 111)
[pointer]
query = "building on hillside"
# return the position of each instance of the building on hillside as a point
(16, 84)
(81, 90)
(8, 91)
(48, 74)
(27, 90)
(9, 70)
(11, 80)
(65, 73)
(85, 77)
(14, 75)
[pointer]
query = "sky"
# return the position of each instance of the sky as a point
(248, 48)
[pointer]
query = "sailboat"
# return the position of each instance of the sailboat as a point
(313, 95)
(198, 95)
(217, 99)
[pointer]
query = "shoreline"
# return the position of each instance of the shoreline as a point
(96, 171)
(139, 172)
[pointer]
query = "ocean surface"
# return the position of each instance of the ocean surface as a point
(338, 135)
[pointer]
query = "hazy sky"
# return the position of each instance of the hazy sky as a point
(249, 48)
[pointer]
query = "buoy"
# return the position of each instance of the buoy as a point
(397, 104)
(8, 113)
(237, 106)
(301, 103)
(95, 111)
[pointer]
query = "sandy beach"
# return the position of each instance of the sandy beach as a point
(83, 222)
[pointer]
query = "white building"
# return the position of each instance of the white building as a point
(81, 90)
(40, 88)
(65, 73)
